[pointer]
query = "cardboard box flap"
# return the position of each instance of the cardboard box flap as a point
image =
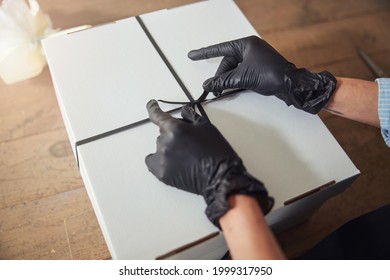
(193, 26)
(107, 75)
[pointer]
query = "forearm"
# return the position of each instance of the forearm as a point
(356, 100)
(246, 231)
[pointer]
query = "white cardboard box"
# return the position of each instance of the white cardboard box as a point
(104, 76)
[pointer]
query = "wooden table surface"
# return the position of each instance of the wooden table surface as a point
(45, 212)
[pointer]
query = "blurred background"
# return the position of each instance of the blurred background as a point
(45, 212)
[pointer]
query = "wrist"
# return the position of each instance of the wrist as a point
(356, 100)
(232, 179)
(246, 231)
(240, 205)
(307, 90)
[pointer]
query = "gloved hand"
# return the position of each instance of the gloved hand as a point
(251, 63)
(192, 155)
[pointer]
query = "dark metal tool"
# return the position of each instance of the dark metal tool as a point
(379, 72)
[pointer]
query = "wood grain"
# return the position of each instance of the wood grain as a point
(36, 229)
(35, 167)
(44, 210)
(273, 16)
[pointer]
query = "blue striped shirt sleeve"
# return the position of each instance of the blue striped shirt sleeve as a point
(384, 107)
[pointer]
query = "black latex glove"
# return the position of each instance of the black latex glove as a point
(251, 63)
(192, 155)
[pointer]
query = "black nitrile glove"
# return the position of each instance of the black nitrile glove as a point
(192, 155)
(251, 63)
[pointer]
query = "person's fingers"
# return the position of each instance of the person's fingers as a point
(159, 144)
(222, 49)
(159, 117)
(228, 63)
(188, 113)
(227, 80)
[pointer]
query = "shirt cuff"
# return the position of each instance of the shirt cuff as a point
(384, 107)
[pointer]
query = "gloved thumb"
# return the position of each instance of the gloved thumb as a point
(188, 113)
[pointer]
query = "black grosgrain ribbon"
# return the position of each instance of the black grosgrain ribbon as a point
(202, 98)
(198, 102)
